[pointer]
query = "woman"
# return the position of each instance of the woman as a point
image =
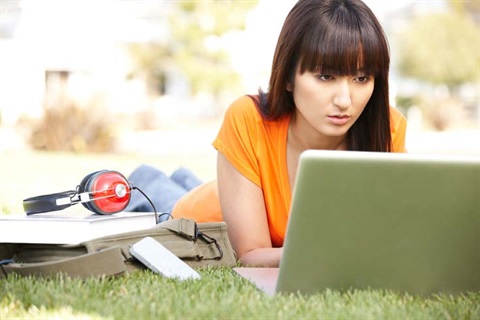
(328, 90)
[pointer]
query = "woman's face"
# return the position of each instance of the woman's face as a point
(328, 103)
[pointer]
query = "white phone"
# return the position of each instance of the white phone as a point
(159, 259)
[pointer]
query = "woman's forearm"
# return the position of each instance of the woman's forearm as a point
(263, 257)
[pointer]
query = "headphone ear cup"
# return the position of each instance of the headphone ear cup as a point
(85, 186)
(109, 191)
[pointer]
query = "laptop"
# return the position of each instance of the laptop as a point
(402, 222)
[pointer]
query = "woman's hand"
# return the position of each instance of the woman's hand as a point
(243, 209)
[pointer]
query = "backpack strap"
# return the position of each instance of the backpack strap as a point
(184, 227)
(106, 262)
(210, 248)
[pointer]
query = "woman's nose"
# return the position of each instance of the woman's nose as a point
(342, 95)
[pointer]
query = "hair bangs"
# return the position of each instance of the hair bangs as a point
(341, 51)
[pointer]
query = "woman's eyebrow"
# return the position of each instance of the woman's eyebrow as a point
(364, 71)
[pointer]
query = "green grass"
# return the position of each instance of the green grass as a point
(219, 294)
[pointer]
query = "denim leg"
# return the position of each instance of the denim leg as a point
(161, 190)
(185, 178)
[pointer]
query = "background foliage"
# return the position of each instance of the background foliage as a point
(194, 47)
(440, 50)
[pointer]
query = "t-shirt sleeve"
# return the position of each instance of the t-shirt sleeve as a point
(201, 204)
(238, 136)
(398, 129)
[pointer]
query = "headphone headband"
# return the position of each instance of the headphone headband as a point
(46, 202)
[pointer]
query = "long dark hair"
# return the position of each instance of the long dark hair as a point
(339, 37)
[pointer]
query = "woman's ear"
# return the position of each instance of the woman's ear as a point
(289, 86)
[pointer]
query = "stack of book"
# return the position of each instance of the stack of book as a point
(69, 227)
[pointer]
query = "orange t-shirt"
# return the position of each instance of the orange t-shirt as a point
(257, 149)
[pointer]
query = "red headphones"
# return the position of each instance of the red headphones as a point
(102, 192)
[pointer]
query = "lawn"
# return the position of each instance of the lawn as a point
(219, 294)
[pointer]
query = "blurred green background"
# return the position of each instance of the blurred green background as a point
(86, 84)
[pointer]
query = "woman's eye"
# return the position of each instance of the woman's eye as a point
(362, 79)
(324, 77)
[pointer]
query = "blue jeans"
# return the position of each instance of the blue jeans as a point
(162, 190)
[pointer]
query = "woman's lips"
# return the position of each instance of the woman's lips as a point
(338, 119)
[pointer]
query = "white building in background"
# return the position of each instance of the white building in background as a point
(74, 44)
(78, 47)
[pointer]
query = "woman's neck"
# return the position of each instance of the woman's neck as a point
(302, 136)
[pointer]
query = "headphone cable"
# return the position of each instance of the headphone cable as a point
(157, 218)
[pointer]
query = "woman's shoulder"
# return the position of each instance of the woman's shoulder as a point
(396, 115)
(244, 105)
(243, 116)
(247, 108)
(243, 112)
(398, 128)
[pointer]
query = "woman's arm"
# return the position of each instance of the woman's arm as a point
(243, 209)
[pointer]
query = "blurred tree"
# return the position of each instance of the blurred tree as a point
(195, 48)
(197, 28)
(470, 8)
(150, 61)
(441, 49)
